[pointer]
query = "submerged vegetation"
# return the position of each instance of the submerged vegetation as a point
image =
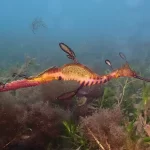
(114, 116)
(36, 24)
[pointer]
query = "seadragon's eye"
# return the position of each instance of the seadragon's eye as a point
(117, 75)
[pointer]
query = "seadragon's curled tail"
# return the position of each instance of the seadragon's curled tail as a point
(48, 75)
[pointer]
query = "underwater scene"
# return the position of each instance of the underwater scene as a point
(75, 75)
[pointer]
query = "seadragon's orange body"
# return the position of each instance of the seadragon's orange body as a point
(72, 71)
(82, 74)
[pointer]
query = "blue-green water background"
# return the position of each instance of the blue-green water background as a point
(91, 28)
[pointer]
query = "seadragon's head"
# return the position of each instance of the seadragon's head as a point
(125, 70)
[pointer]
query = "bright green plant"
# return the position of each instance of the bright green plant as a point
(73, 135)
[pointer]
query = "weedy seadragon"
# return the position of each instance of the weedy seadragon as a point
(73, 71)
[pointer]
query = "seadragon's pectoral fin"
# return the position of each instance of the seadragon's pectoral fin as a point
(67, 95)
(70, 94)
